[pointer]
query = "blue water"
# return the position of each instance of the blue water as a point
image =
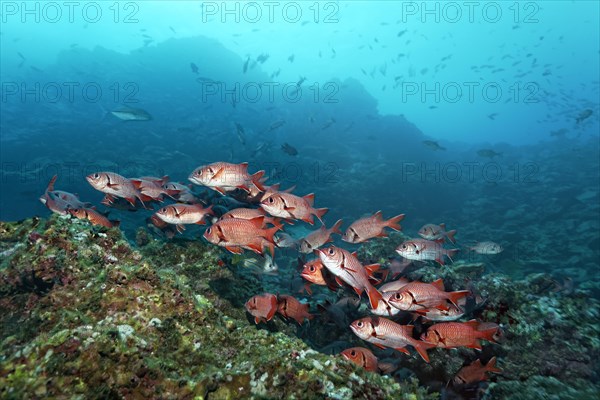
(483, 116)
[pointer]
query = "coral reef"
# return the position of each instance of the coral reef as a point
(87, 315)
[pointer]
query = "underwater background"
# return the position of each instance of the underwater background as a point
(479, 115)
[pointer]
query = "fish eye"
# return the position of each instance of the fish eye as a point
(359, 324)
(311, 268)
(353, 353)
(163, 210)
(210, 229)
(96, 176)
(271, 200)
(397, 296)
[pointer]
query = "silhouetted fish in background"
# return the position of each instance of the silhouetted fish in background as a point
(194, 68)
(131, 114)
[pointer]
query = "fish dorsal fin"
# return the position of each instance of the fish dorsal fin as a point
(439, 284)
(310, 199)
(472, 323)
(354, 254)
(50, 187)
(378, 216)
(443, 226)
(258, 221)
(372, 268)
(244, 166)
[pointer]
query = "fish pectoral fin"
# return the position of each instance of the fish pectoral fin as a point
(218, 189)
(402, 350)
(256, 320)
(180, 228)
(358, 291)
(235, 249)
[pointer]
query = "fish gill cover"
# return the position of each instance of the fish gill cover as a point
(299, 200)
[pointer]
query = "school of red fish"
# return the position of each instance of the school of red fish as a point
(258, 226)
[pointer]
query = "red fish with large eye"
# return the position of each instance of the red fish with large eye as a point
(236, 234)
(290, 307)
(458, 334)
(262, 307)
(115, 185)
(361, 357)
(292, 207)
(367, 228)
(475, 372)
(183, 214)
(226, 177)
(347, 268)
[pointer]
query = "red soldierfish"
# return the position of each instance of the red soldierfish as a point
(475, 372)
(370, 227)
(225, 177)
(423, 250)
(290, 206)
(93, 216)
(346, 267)
(458, 334)
(249, 213)
(182, 214)
(361, 357)
(384, 333)
(437, 232)
(236, 234)
(318, 238)
(290, 307)
(115, 185)
(262, 307)
(152, 188)
(416, 296)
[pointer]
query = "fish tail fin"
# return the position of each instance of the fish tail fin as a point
(374, 296)
(394, 222)
(421, 347)
(336, 227)
(450, 235)
(453, 297)
(256, 180)
(451, 253)
(104, 112)
(488, 334)
(50, 187)
(319, 212)
(270, 232)
(491, 366)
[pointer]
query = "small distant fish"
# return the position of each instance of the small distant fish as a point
(585, 114)
(172, 30)
(131, 114)
(262, 307)
(291, 58)
(194, 68)
(245, 68)
(489, 153)
(275, 125)
(285, 240)
(493, 115)
(301, 81)
(289, 149)
(475, 372)
(59, 201)
(241, 134)
(433, 145)
(423, 250)
(437, 232)
(486, 248)
(262, 58)
(328, 123)
(559, 133)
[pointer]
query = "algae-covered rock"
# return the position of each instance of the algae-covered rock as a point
(88, 316)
